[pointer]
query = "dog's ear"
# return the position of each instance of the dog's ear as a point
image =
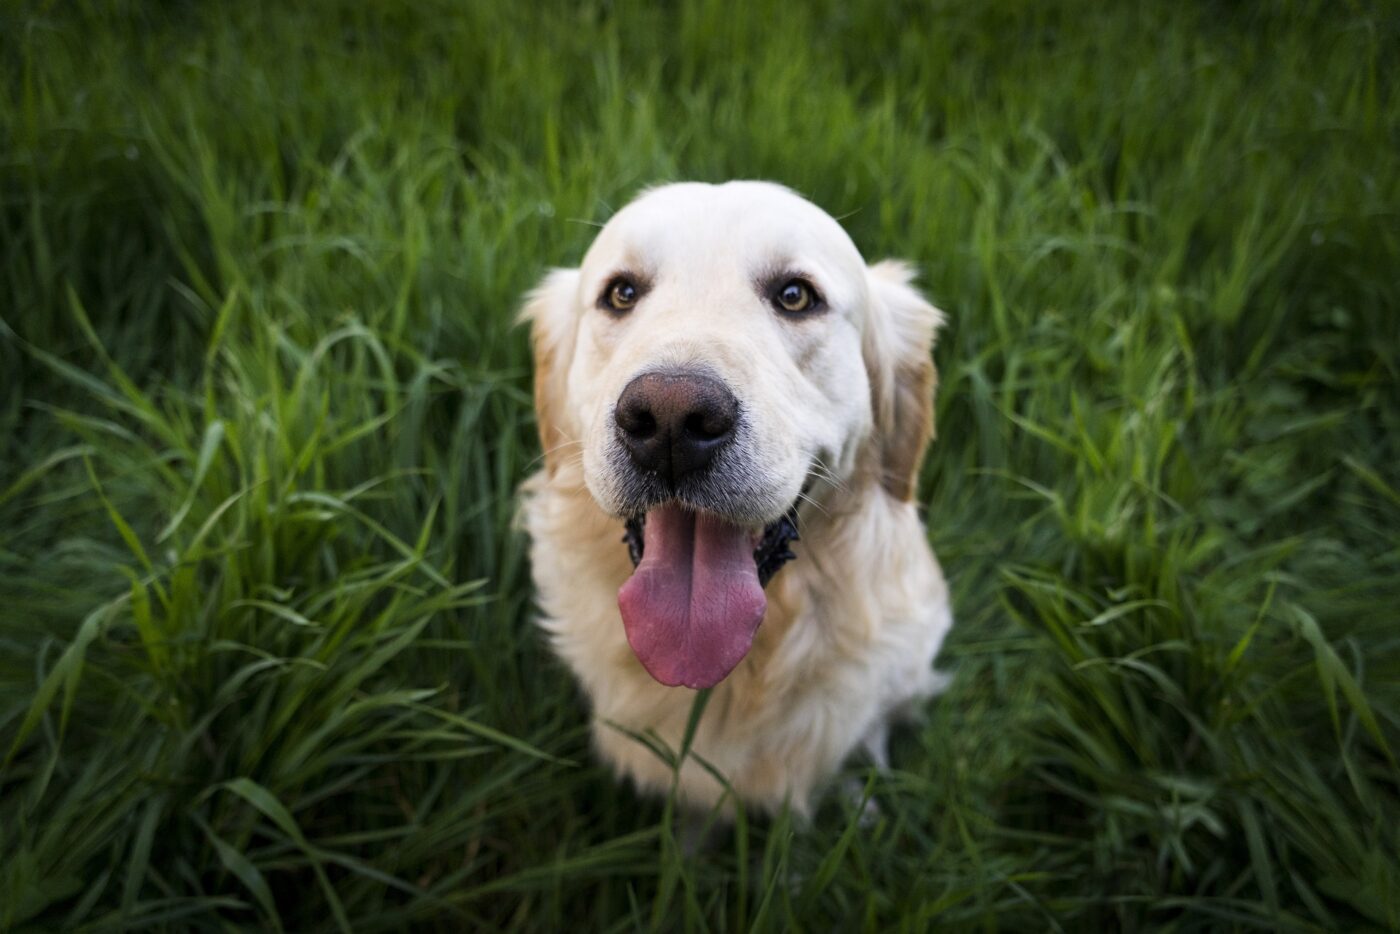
(897, 347)
(549, 310)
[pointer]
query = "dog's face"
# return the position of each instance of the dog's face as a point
(722, 352)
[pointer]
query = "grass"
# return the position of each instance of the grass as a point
(266, 658)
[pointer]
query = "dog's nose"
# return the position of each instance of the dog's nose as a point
(674, 423)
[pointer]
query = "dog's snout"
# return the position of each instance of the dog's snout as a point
(674, 423)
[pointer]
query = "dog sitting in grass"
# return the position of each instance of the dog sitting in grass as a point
(733, 408)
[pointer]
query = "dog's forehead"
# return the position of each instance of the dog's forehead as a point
(744, 226)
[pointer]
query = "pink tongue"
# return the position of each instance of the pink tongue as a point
(693, 604)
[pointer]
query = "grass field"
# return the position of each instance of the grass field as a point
(266, 658)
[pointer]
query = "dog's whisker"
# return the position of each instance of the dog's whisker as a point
(820, 468)
(815, 505)
(540, 458)
(565, 444)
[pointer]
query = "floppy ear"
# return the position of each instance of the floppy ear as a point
(897, 346)
(549, 309)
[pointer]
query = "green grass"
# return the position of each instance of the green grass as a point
(266, 657)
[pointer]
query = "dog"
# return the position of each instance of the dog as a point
(733, 409)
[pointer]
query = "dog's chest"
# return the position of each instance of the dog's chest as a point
(831, 658)
(791, 710)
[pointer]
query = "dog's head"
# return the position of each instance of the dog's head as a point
(722, 352)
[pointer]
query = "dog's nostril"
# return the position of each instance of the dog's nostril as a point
(706, 425)
(640, 425)
(638, 422)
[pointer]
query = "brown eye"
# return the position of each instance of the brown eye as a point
(621, 295)
(796, 296)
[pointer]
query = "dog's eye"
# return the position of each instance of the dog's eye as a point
(621, 294)
(795, 296)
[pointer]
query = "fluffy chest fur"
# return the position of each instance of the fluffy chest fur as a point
(847, 644)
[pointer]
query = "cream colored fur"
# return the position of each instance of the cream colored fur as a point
(840, 401)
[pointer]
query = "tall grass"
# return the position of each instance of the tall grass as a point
(266, 658)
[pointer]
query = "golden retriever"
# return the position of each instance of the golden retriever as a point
(733, 408)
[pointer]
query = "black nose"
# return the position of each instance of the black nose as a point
(674, 423)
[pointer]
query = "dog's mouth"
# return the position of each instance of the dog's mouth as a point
(693, 604)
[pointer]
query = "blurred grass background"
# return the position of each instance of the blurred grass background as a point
(266, 658)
